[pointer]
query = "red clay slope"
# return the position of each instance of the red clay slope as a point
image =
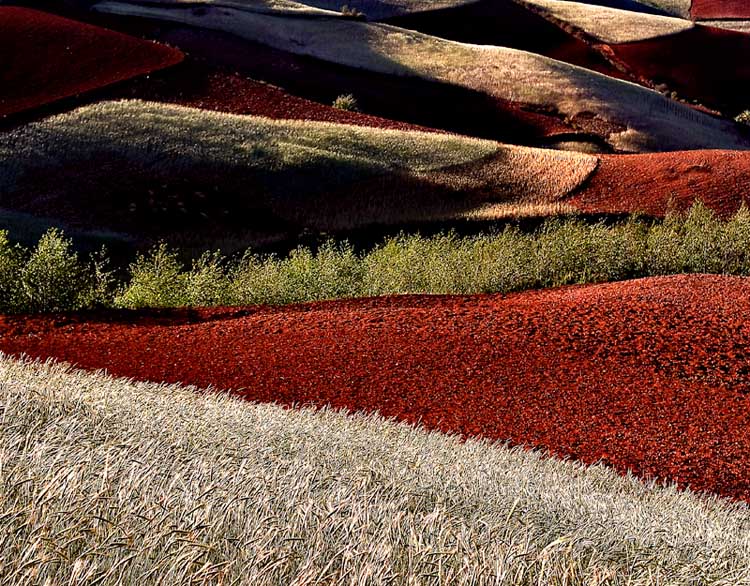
(46, 57)
(650, 375)
(655, 183)
(707, 64)
(707, 9)
(411, 100)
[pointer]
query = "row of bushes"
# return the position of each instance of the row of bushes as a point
(52, 277)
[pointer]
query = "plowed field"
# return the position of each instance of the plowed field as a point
(650, 375)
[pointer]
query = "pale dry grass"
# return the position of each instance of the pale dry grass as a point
(109, 482)
(609, 25)
(522, 174)
(642, 120)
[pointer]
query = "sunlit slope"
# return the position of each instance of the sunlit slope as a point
(628, 117)
(153, 168)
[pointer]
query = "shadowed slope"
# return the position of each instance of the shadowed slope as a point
(46, 58)
(156, 170)
(506, 23)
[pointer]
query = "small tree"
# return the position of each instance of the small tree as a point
(346, 102)
(53, 279)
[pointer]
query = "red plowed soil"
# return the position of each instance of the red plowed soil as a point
(702, 63)
(46, 57)
(199, 85)
(650, 375)
(707, 9)
(656, 183)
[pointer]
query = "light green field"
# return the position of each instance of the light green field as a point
(105, 164)
(642, 120)
(111, 482)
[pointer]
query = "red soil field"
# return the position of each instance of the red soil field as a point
(704, 63)
(649, 375)
(655, 183)
(46, 57)
(707, 9)
(198, 85)
(507, 24)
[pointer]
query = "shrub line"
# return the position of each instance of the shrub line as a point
(53, 278)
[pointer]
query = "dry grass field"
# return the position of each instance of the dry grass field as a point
(679, 8)
(609, 25)
(107, 481)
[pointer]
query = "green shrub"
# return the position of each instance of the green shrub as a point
(11, 262)
(52, 278)
(207, 282)
(156, 280)
(346, 102)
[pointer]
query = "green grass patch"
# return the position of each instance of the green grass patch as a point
(52, 277)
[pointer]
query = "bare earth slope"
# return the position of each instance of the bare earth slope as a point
(45, 58)
(648, 375)
(655, 183)
(729, 9)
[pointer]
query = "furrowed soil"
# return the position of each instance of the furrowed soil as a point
(654, 184)
(651, 375)
(704, 9)
(46, 58)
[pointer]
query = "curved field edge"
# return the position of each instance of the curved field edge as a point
(679, 8)
(608, 25)
(257, 494)
(629, 117)
(47, 58)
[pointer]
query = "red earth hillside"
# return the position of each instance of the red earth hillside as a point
(706, 9)
(46, 57)
(706, 64)
(199, 85)
(656, 183)
(651, 375)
